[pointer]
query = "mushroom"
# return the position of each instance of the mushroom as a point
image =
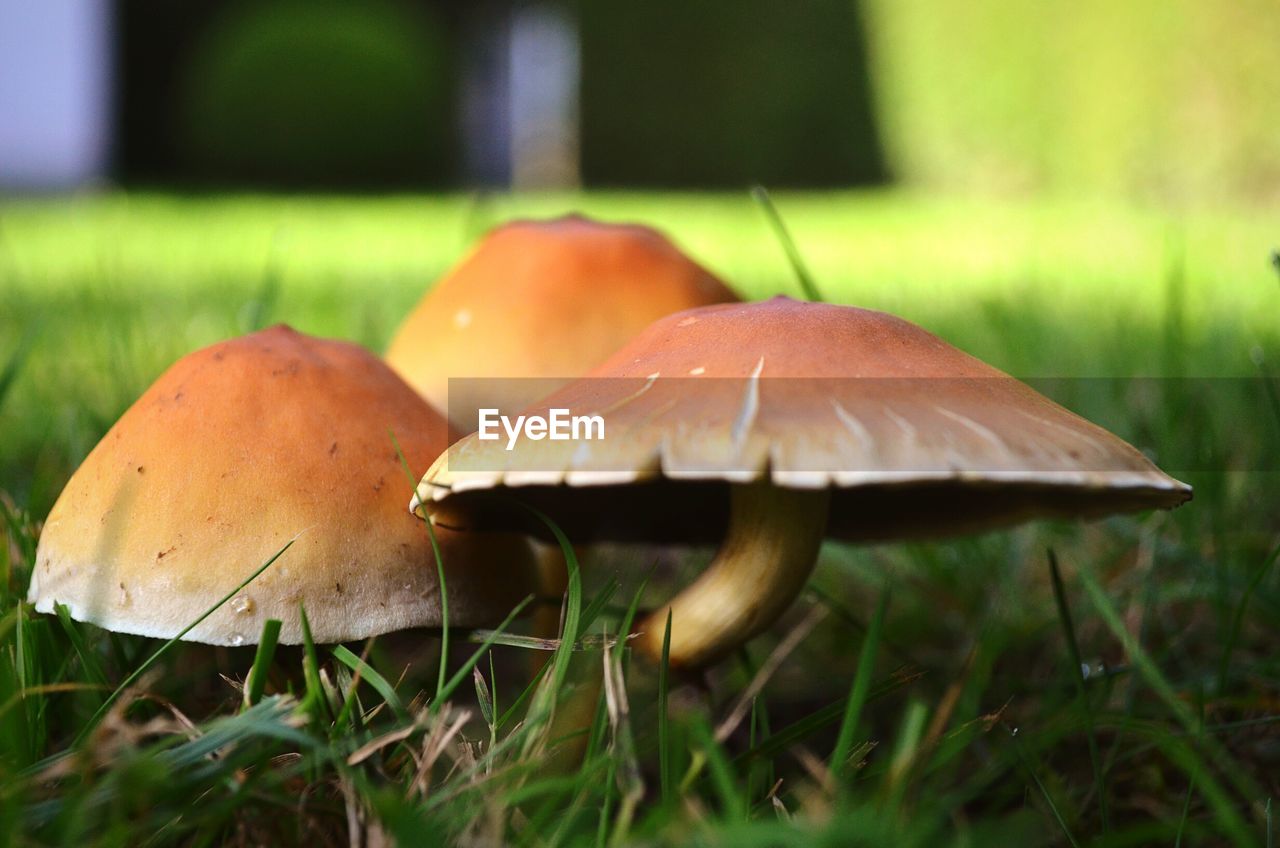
(773, 425)
(232, 452)
(537, 304)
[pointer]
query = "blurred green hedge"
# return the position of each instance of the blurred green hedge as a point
(1162, 99)
(725, 94)
(319, 93)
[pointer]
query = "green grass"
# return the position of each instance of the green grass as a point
(1131, 695)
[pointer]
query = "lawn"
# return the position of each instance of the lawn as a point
(1135, 701)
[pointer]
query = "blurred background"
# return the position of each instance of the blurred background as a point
(1170, 101)
(1063, 188)
(1002, 173)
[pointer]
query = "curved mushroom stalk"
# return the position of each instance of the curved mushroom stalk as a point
(762, 564)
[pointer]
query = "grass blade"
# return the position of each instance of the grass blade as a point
(1237, 621)
(527, 693)
(1191, 784)
(810, 288)
(483, 696)
(1151, 675)
(904, 752)
(820, 718)
(256, 683)
(89, 662)
(444, 608)
(258, 310)
(633, 608)
(367, 673)
(573, 604)
(606, 804)
(439, 557)
(315, 699)
(1077, 679)
(861, 685)
(722, 776)
(541, 707)
(664, 730)
(1044, 791)
(465, 671)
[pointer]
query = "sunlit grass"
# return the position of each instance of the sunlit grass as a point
(1128, 696)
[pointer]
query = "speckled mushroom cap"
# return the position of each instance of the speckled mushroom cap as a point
(237, 449)
(542, 299)
(912, 436)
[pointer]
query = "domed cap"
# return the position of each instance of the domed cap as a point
(542, 299)
(237, 449)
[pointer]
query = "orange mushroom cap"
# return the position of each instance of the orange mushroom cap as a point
(538, 303)
(810, 396)
(232, 452)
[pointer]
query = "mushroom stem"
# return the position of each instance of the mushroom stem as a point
(767, 555)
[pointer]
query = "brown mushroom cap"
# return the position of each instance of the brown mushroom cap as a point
(773, 424)
(232, 452)
(546, 300)
(914, 437)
